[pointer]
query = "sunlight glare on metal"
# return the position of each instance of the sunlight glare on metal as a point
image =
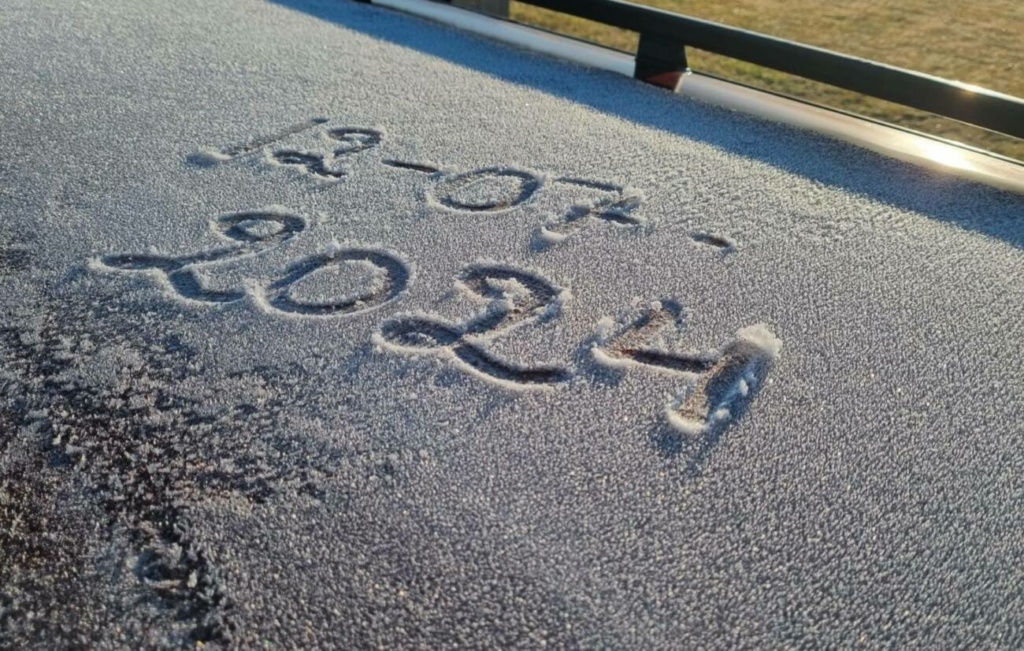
(971, 88)
(944, 154)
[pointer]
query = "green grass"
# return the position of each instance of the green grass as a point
(979, 42)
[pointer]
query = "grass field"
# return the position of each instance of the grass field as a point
(979, 42)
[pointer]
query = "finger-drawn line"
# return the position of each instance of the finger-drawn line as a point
(421, 333)
(722, 386)
(425, 335)
(396, 279)
(717, 241)
(631, 344)
(241, 226)
(486, 363)
(312, 163)
(412, 167)
(352, 140)
(526, 186)
(615, 209)
(355, 139)
(182, 273)
(742, 368)
(514, 297)
(230, 152)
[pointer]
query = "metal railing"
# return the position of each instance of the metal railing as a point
(664, 37)
(494, 7)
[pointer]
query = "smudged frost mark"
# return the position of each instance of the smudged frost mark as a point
(514, 297)
(146, 448)
(731, 382)
(721, 385)
(14, 258)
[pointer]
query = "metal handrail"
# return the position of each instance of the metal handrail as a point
(664, 37)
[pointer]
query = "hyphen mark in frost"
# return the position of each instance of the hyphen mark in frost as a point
(515, 296)
(255, 232)
(412, 167)
(717, 241)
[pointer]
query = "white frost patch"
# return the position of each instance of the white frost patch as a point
(333, 249)
(510, 288)
(380, 344)
(684, 425)
(610, 361)
(208, 157)
(551, 237)
(605, 326)
(760, 336)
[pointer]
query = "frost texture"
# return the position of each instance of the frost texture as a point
(320, 443)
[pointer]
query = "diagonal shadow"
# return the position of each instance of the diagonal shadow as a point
(967, 204)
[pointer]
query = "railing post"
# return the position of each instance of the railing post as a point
(661, 61)
(493, 7)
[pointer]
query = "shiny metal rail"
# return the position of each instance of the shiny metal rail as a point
(664, 37)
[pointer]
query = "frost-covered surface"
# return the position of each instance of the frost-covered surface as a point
(327, 327)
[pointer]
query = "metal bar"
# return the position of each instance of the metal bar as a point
(661, 61)
(970, 104)
(493, 7)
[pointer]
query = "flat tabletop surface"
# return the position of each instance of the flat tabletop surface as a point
(322, 326)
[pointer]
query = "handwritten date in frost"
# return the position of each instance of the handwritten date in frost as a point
(717, 385)
(485, 191)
